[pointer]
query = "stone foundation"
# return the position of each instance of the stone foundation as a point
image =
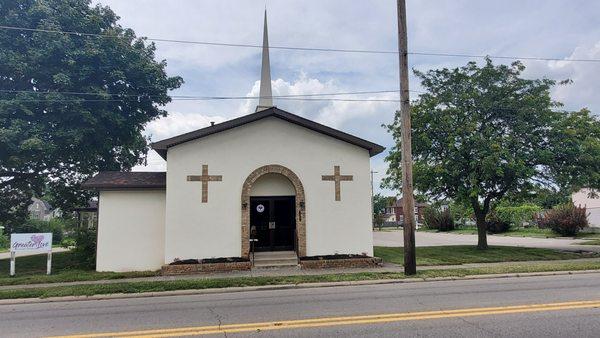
(187, 269)
(366, 262)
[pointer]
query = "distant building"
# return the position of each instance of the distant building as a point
(581, 198)
(40, 210)
(88, 216)
(399, 212)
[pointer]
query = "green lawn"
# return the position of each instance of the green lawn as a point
(32, 270)
(195, 284)
(592, 242)
(462, 254)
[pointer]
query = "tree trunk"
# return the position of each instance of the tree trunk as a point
(481, 231)
(480, 213)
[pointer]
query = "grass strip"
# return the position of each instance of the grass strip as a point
(32, 269)
(464, 254)
(197, 284)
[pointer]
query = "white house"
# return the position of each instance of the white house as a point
(582, 198)
(286, 182)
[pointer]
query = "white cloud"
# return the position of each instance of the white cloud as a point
(177, 123)
(583, 92)
(331, 113)
(174, 124)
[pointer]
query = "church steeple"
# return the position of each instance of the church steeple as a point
(266, 100)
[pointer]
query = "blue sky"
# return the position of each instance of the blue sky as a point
(550, 28)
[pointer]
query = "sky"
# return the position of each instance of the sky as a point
(551, 28)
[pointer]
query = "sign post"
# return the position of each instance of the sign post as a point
(39, 242)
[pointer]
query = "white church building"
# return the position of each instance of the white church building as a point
(267, 181)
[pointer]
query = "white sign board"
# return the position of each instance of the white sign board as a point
(40, 242)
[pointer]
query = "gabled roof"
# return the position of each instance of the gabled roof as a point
(162, 146)
(106, 180)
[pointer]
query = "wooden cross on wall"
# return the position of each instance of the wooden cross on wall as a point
(205, 178)
(337, 178)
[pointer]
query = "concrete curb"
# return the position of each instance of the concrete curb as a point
(283, 287)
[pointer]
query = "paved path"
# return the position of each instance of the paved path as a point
(278, 306)
(4, 255)
(423, 238)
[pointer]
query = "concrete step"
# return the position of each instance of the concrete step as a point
(275, 255)
(275, 259)
(275, 264)
(288, 261)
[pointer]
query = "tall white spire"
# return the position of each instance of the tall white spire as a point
(266, 100)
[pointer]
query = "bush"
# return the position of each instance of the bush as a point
(517, 215)
(4, 240)
(495, 225)
(56, 226)
(84, 250)
(565, 219)
(438, 220)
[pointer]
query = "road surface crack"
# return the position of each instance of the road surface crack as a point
(218, 318)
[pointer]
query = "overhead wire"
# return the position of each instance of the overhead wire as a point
(315, 49)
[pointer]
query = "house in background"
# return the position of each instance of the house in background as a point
(399, 212)
(582, 198)
(393, 213)
(41, 210)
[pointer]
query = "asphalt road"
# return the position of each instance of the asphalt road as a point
(173, 316)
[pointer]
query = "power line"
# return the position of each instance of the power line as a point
(340, 50)
(201, 97)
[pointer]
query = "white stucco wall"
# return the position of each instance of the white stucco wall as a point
(581, 198)
(273, 185)
(213, 229)
(131, 230)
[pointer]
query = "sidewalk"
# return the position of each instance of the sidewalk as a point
(280, 272)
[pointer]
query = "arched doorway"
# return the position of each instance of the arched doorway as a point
(299, 206)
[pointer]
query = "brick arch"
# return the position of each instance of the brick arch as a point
(300, 205)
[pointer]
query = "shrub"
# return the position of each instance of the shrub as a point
(438, 220)
(56, 226)
(517, 215)
(496, 225)
(4, 240)
(84, 251)
(461, 213)
(564, 219)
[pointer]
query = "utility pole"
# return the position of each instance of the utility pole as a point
(372, 201)
(408, 205)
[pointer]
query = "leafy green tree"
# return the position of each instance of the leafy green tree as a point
(380, 202)
(481, 132)
(51, 131)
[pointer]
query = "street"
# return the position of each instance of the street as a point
(486, 307)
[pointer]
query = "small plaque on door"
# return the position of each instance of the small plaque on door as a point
(271, 225)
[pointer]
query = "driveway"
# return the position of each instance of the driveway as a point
(395, 238)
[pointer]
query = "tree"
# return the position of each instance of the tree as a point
(380, 202)
(71, 105)
(480, 133)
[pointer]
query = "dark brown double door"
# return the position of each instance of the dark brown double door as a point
(273, 222)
